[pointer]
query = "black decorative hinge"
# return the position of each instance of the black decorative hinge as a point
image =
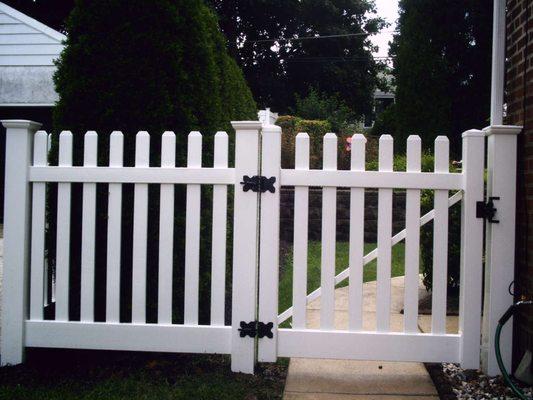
(257, 183)
(487, 210)
(256, 329)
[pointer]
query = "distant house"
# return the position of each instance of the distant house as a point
(28, 49)
(382, 99)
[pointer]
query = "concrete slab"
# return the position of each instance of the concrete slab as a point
(369, 296)
(358, 377)
(310, 379)
(452, 323)
(343, 396)
(341, 320)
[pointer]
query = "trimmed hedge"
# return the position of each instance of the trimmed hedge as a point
(291, 126)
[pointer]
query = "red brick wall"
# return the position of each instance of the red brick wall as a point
(519, 99)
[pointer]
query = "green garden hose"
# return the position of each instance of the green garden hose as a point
(508, 314)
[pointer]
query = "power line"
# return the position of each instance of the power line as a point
(315, 37)
(335, 59)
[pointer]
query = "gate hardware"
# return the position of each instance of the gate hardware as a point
(256, 329)
(487, 210)
(258, 184)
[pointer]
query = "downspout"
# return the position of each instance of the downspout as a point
(498, 63)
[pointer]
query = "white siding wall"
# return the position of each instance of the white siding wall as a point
(27, 53)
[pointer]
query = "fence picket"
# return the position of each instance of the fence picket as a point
(384, 234)
(90, 156)
(269, 244)
(49, 291)
(412, 239)
(301, 216)
(166, 232)
(329, 228)
(440, 241)
(357, 238)
(218, 249)
(140, 232)
(192, 233)
(38, 213)
(114, 221)
(63, 231)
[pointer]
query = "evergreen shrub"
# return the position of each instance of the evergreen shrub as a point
(134, 65)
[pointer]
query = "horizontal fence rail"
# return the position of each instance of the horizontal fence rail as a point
(372, 179)
(178, 175)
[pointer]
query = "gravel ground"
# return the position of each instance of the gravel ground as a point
(452, 382)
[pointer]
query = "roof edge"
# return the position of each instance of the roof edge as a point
(32, 22)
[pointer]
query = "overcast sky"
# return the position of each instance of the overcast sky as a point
(388, 10)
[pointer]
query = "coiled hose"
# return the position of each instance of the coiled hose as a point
(508, 314)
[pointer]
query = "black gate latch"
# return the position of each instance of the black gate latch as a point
(256, 329)
(257, 183)
(487, 210)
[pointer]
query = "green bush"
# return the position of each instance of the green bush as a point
(319, 106)
(134, 65)
(316, 130)
(426, 232)
(426, 235)
(291, 126)
(385, 123)
(288, 129)
(399, 161)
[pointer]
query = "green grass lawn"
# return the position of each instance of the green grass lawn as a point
(65, 375)
(341, 263)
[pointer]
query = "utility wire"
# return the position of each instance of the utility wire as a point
(315, 37)
(333, 59)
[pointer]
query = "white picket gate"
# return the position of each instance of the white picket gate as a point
(255, 272)
(381, 344)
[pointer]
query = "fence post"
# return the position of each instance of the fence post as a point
(245, 235)
(19, 146)
(269, 246)
(500, 243)
(471, 249)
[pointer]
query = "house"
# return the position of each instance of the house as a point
(28, 50)
(381, 100)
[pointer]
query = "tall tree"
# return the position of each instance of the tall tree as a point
(442, 68)
(278, 70)
(133, 65)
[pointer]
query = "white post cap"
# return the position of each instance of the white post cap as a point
(21, 124)
(502, 130)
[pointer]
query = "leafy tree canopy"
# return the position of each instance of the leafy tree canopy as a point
(279, 70)
(442, 68)
(136, 65)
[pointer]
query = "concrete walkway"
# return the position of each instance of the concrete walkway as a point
(311, 379)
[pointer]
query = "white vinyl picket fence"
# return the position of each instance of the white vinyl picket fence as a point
(255, 268)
